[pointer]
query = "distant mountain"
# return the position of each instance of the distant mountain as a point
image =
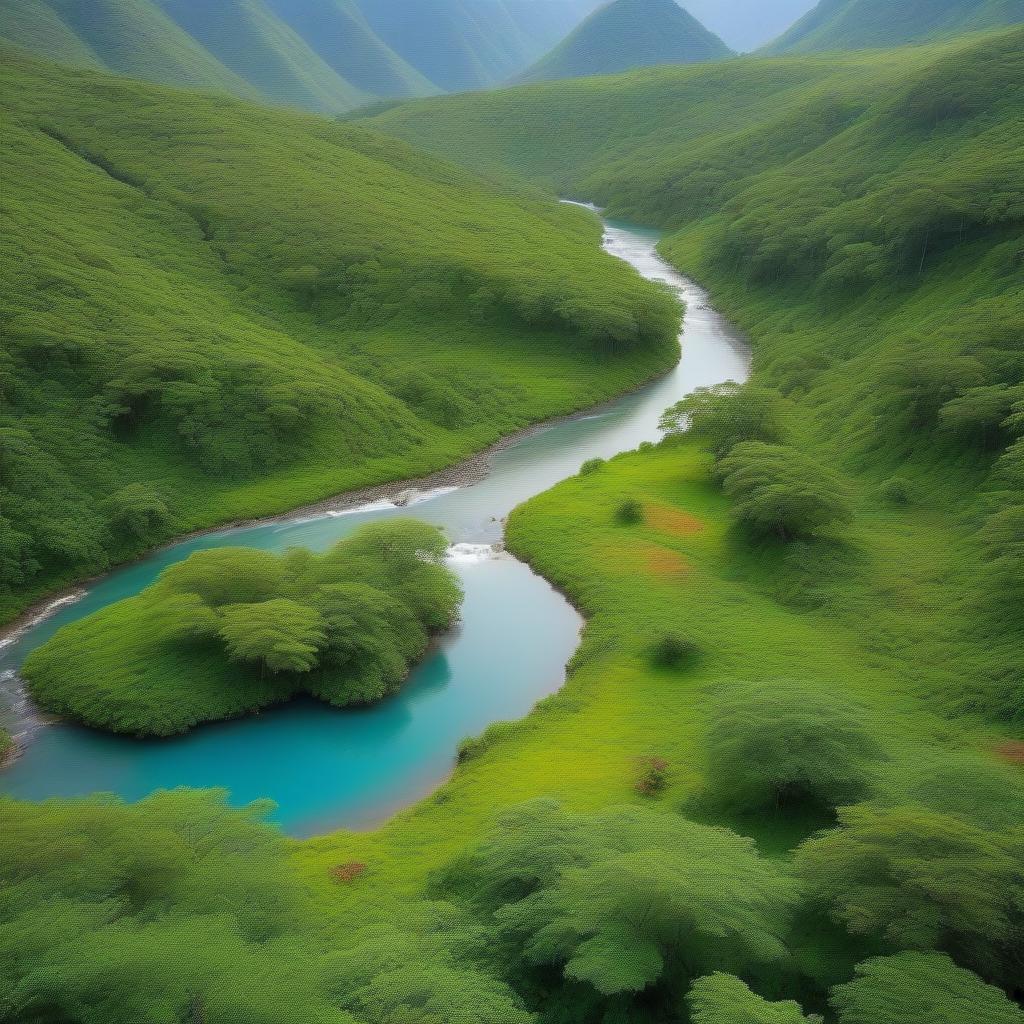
(458, 44)
(130, 37)
(545, 23)
(337, 30)
(627, 34)
(862, 24)
(249, 39)
(747, 24)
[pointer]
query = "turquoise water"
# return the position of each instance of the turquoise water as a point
(327, 768)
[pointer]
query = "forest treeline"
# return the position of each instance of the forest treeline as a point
(187, 340)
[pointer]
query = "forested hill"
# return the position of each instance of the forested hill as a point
(628, 34)
(188, 342)
(860, 24)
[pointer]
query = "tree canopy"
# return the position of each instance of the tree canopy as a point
(783, 743)
(726, 414)
(779, 491)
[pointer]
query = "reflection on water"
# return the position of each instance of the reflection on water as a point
(327, 768)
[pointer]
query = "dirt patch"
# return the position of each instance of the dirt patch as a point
(673, 521)
(665, 562)
(1012, 751)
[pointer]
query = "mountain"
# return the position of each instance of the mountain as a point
(214, 309)
(628, 34)
(338, 32)
(130, 37)
(545, 23)
(861, 24)
(457, 44)
(249, 39)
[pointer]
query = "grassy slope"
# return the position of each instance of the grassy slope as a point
(158, 264)
(902, 614)
(629, 34)
(859, 24)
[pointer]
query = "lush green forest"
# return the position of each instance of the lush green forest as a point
(629, 34)
(231, 630)
(859, 24)
(783, 782)
(189, 343)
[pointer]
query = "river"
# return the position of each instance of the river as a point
(327, 768)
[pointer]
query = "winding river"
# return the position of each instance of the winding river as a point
(326, 768)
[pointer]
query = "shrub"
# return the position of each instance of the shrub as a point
(896, 490)
(629, 513)
(673, 651)
(781, 743)
(591, 466)
(654, 777)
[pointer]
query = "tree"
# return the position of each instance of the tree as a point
(920, 988)
(724, 999)
(915, 878)
(138, 512)
(778, 491)
(225, 576)
(726, 414)
(780, 743)
(626, 901)
(283, 635)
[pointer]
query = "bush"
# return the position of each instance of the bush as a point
(673, 651)
(920, 988)
(781, 743)
(591, 466)
(629, 513)
(778, 491)
(896, 491)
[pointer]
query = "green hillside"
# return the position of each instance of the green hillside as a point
(860, 24)
(862, 219)
(248, 38)
(457, 44)
(628, 34)
(130, 37)
(218, 310)
(339, 33)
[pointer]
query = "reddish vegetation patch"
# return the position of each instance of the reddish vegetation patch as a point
(654, 777)
(347, 872)
(1012, 750)
(665, 562)
(672, 520)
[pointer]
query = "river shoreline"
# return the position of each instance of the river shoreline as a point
(465, 473)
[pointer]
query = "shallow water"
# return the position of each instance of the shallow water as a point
(326, 768)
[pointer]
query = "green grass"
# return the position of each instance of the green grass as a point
(628, 34)
(860, 24)
(177, 318)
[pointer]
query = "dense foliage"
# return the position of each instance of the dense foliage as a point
(231, 630)
(785, 744)
(187, 342)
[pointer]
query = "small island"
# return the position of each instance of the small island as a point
(231, 630)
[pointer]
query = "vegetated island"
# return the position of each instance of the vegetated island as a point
(232, 630)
